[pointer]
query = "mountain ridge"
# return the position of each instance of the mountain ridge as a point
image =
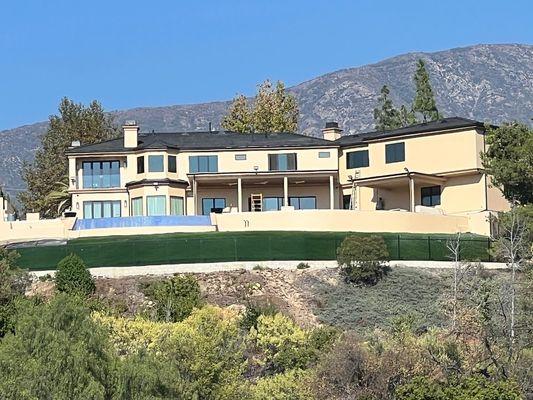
(486, 82)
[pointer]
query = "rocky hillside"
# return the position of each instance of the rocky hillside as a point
(485, 82)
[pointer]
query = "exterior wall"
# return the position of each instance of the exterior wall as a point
(19, 231)
(78, 198)
(495, 199)
(463, 194)
(162, 190)
(346, 220)
(145, 230)
(430, 154)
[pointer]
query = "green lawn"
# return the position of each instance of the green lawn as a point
(236, 246)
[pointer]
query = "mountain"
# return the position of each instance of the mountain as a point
(484, 82)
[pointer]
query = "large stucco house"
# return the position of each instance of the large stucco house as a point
(430, 168)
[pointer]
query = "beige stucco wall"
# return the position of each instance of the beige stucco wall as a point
(346, 220)
(495, 199)
(18, 231)
(430, 154)
(145, 230)
(463, 194)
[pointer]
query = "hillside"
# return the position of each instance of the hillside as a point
(485, 82)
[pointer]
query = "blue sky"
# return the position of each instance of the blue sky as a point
(148, 53)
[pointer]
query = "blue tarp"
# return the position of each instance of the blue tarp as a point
(130, 222)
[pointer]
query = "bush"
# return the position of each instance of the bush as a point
(175, 298)
(422, 388)
(303, 265)
(73, 277)
(290, 385)
(253, 311)
(363, 259)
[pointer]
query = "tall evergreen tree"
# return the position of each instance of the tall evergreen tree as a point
(239, 118)
(386, 116)
(406, 117)
(273, 110)
(50, 167)
(424, 102)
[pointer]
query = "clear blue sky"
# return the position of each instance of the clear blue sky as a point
(149, 53)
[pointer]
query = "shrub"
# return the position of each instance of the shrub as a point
(175, 298)
(259, 267)
(73, 277)
(253, 311)
(422, 388)
(290, 385)
(303, 265)
(363, 259)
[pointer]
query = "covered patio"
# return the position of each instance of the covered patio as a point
(401, 191)
(263, 191)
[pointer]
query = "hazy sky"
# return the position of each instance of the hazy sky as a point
(148, 53)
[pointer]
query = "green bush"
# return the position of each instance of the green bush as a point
(422, 388)
(303, 265)
(175, 298)
(253, 311)
(363, 259)
(73, 277)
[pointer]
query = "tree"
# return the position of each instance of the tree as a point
(424, 102)
(273, 110)
(513, 246)
(239, 118)
(175, 298)
(74, 122)
(509, 160)
(363, 259)
(73, 277)
(13, 283)
(386, 117)
(56, 352)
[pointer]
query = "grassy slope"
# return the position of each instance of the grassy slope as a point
(234, 246)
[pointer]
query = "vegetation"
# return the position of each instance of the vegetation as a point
(272, 110)
(387, 116)
(47, 177)
(176, 298)
(73, 277)
(509, 160)
(424, 102)
(363, 259)
(13, 282)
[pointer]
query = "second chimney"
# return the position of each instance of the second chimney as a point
(332, 131)
(131, 131)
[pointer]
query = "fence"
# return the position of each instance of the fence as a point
(220, 247)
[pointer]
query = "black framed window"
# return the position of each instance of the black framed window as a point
(395, 152)
(155, 164)
(346, 200)
(210, 205)
(303, 203)
(430, 196)
(101, 174)
(140, 165)
(172, 164)
(282, 162)
(357, 159)
(203, 164)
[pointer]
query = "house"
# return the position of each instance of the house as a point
(429, 168)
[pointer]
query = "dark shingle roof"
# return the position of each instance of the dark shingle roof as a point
(206, 141)
(434, 126)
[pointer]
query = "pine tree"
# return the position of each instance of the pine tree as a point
(424, 102)
(273, 110)
(406, 117)
(74, 122)
(386, 116)
(239, 118)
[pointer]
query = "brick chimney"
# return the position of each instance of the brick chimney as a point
(131, 131)
(332, 131)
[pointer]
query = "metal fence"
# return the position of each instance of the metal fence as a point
(220, 247)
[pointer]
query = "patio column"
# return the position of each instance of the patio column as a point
(285, 191)
(411, 193)
(331, 193)
(239, 194)
(195, 196)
